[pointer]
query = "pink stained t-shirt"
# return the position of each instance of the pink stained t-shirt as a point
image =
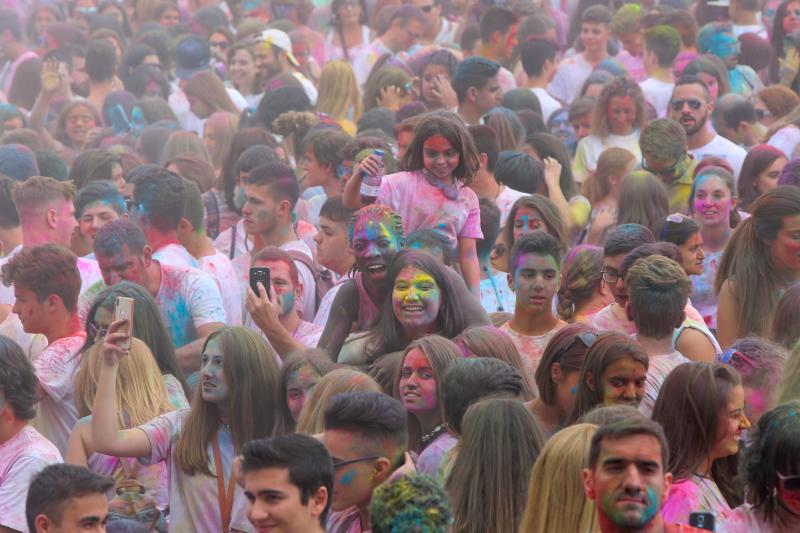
(424, 206)
(219, 267)
(531, 347)
(21, 457)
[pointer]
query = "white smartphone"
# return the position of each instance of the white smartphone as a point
(123, 310)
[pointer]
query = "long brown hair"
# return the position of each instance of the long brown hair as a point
(251, 372)
(488, 485)
(207, 86)
(312, 418)
(613, 161)
(689, 408)
(747, 260)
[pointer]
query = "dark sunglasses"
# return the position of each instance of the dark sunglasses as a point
(669, 171)
(338, 463)
(789, 483)
(694, 104)
(674, 218)
(587, 338)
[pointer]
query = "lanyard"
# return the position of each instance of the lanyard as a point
(225, 498)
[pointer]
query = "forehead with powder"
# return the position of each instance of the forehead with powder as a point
(377, 215)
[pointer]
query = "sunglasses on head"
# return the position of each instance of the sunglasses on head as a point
(587, 338)
(789, 483)
(338, 463)
(694, 104)
(729, 354)
(668, 172)
(674, 218)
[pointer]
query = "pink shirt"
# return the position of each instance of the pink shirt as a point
(695, 495)
(21, 457)
(56, 367)
(424, 206)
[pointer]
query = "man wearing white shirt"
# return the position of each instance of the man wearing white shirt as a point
(691, 106)
(274, 56)
(661, 46)
(539, 62)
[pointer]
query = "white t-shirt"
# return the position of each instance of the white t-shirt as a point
(219, 267)
(758, 29)
(321, 318)
(786, 140)
(175, 255)
(505, 201)
(657, 371)
(21, 457)
(548, 103)
(725, 149)
(658, 93)
(571, 73)
(591, 146)
(56, 367)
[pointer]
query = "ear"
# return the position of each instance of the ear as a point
(382, 471)
(147, 256)
(124, 216)
(510, 279)
(666, 486)
(589, 380)
(588, 484)
(42, 523)
(319, 500)
(472, 94)
(51, 218)
(497, 37)
(556, 373)
(484, 160)
(184, 226)
(298, 289)
(284, 207)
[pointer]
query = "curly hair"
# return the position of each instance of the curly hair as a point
(410, 502)
(620, 86)
(377, 212)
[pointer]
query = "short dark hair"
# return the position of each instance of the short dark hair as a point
(53, 487)
(534, 53)
(732, 109)
(625, 238)
(279, 180)
(160, 195)
(496, 19)
(519, 171)
(18, 380)
(490, 226)
(254, 156)
(101, 60)
(309, 464)
(373, 414)
(99, 191)
(539, 243)
(692, 79)
(474, 71)
(628, 428)
(469, 37)
(485, 139)
(664, 42)
(407, 13)
(9, 217)
(275, 102)
(597, 14)
(334, 209)
(110, 239)
(468, 380)
(47, 269)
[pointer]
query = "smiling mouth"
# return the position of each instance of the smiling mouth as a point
(413, 308)
(376, 269)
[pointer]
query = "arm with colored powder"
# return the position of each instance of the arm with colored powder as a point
(468, 260)
(351, 196)
(107, 437)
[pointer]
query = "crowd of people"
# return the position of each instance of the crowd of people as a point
(420, 266)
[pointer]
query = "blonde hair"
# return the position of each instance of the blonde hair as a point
(224, 126)
(40, 190)
(312, 418)
(556, 501)
(613, 161)
(182, 142)
(141, 393)
(208, 87)
(338, 92)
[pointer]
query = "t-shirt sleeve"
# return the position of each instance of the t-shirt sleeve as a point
(55, 372)
(205, 301)
(14, 491)
(161, 432)
(683, 500)
(386, 194)
(472, 226)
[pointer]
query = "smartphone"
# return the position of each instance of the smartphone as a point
(123, 310)
(259, 274)
(702, 521)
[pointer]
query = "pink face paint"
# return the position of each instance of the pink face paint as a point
(439, 157)
(417, 383)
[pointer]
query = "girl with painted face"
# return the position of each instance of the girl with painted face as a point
(235, 403)
(376, 236)
(432, 191)
(761, 260)
(618, 118)
(418, 384)
(771, 471)
(300, 373)
(701, 408)
(558, 375)
(420, 302)
(613, 372)
(712, 204)
(560, 126)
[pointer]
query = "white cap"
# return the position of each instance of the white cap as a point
(280, 40)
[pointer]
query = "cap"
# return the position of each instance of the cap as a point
(280, 40)
(192, 55)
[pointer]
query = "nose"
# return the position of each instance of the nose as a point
(630, 391)
(633, 482)
(371, 250)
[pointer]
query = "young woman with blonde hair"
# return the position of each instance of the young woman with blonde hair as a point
(339, 96)
(235, 403)
(140, 397)
(206, 95)
(341, 380)
(556, 500)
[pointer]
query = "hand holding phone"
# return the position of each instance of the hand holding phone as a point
(259, 274)
(123, 310)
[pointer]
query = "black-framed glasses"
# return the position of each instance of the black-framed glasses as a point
(338, 463)
(609, 276)
(694, 104)
(587, 338)
(674, 218)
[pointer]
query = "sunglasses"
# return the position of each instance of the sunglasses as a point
(694, 104)
(674, 218)
(666, 172)
(338, 463)
(761, 114)
(587, 338)
(730, 353)
(789, 483)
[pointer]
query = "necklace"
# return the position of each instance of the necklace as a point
(433, 433)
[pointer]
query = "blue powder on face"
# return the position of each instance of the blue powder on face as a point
(348, 477)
